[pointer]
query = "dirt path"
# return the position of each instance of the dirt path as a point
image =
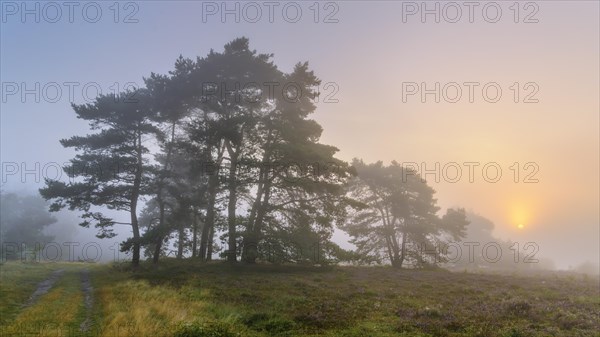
(88, 290)
(43, 287)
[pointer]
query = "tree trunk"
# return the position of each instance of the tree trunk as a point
(396, 250)
(135, 193)
(257, 230)
(159, 199)
(231, 204)
(157, 249)
(254, 227)
(212, 190)
(250, 243)
(159, 240)
(389, 250)
(210, 215)
(211, 238)
(135, 260)
(403, 249)
(180, 242)
(195, 234)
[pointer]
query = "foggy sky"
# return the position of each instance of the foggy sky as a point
(368, 55)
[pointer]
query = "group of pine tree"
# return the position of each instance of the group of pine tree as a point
(219, 156)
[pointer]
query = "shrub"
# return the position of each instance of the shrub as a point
(518, 307)
(272, 324)
(204, 330)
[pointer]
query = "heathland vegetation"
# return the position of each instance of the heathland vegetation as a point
(194, 298)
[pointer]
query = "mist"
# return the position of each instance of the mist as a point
(300, 168)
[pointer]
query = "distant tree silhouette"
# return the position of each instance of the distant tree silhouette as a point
(22, 222)
(396, 218)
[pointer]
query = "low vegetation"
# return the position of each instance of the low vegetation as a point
(191, 298)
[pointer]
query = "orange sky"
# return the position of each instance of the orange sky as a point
(369, 53)
(559, 134)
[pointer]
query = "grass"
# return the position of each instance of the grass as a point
(17, 282)
(187, 298)
(58, 310)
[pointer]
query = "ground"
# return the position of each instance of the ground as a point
(189, 298)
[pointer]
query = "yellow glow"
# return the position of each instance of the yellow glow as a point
(520, 213)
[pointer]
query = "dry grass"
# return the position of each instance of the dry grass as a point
(55, 314)
(134, 308)
(17, 282)
(188, 298)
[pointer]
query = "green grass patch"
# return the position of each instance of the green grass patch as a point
(190, 298)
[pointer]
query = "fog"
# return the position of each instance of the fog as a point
(526, 164)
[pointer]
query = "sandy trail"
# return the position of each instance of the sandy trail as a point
(43, 287)
(86, 286)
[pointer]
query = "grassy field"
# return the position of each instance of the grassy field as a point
(186, 298)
